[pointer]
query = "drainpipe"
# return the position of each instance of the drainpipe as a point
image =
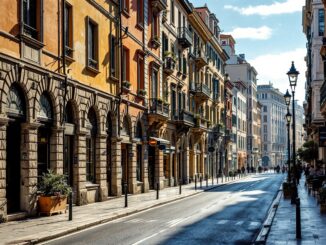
(121, 63)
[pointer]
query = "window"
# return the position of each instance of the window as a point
(184, 65)
(173, 102)
(140, 13)
(125, 6)
(154, 80)
(155, 26)
(265, 108)
(113, 49)
(140, 72)
(125, 68)
(265, 128)
(32, 16)
(172, 12)
(68, 30)
(321, 22)
(265, 118)
(92, 44)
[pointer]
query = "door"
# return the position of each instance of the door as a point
(109, 166)
(124, 166)
(13, 166)
(151, 167)
(69, 158)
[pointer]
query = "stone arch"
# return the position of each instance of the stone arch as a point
(47, 86)
(72, 97)
(126, 126)
(16, 102)
(10, 78)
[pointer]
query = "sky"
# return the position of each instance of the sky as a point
(269, 33)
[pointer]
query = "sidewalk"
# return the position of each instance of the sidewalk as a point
(313, 223)
(44, 228)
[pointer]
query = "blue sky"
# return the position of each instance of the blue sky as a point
(269, 33)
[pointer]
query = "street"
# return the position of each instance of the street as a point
(230, 214)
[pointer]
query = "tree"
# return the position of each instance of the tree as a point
(309, 151)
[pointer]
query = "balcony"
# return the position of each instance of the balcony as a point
(169, 65)
(158, 110)
(201, 124)
(184, 118)
(200, 58)
(200, 90)
(323, 99)
(159, 5)
(184, 37)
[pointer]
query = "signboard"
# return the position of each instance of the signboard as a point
(322, 137)
(211, 149)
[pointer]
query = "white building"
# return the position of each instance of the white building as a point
(274, 130)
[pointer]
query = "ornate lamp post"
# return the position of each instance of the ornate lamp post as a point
(288, 120)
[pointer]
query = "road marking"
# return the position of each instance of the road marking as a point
(140, 221)
(239, 223)
(222, 222)
(254, 223)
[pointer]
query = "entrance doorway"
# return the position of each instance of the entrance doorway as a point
(13, 177)
(151, 167)
(124, 166)
(68, 169)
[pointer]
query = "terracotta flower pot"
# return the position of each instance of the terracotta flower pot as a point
(52, 204)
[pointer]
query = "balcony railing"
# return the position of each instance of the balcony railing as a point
(169, 65)
(323, 96)
(157, 107)
(201, 90)
(200, 58)
(184, 117)
(159, 5)
(184, 37)
(201, 123)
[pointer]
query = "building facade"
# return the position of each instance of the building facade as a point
(274, 130)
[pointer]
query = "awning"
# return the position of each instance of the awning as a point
(160, 140)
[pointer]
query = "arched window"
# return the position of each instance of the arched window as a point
(91, 147)
(15, 102)
(45, 113)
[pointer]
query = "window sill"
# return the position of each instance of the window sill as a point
(114, 79)
(126, 13)
(91, 186)
(69, 59)
(93, 70)
(31, 41)
(140, 26)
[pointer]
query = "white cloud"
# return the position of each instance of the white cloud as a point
(289, 6)
(261, 33)
(273, 68)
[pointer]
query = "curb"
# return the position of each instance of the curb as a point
(118, 216)
(265, 228)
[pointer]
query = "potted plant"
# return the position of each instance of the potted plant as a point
(54, 191)
(126, 84)
(142, 92)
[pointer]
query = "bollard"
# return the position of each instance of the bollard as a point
(126, 194)
(70, 206)
(212, 179)
(222, 178)
(298, 218)
(206, 180)
(157, 190)
(201, 180)
(195, 182)
(180, 187)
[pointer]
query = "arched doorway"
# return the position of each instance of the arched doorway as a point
(125, 151)
(69, 142)
(91, 147)
(139, 149)
(45, 117)
(17, 115)
(109, 154)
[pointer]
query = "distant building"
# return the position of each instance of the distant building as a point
(274, 131)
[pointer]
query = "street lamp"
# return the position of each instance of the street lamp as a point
(288, 120)
(287, 98)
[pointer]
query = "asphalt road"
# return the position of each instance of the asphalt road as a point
(230, 214)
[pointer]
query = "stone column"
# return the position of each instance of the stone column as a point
(101, 168)
(145, 167)
(159, 177)
(132, 160)
(80, 168)
(116, 166)
(3, 144)
(186, 165)
(29, 167)
(56, 154)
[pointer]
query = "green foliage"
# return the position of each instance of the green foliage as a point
(308, 152)
(53, 184)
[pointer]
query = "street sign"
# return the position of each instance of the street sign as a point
(152, 142)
